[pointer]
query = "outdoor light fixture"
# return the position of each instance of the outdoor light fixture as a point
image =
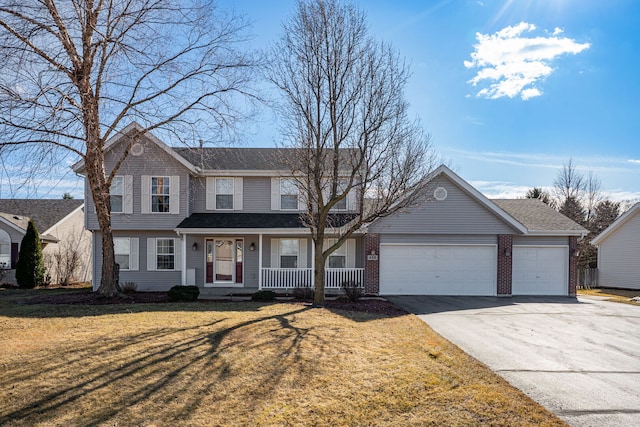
(507, 252)
(194, 247)
(252, 246)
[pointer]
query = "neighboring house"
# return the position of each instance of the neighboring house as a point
(618, 249)
(229, 220)
(60, 223)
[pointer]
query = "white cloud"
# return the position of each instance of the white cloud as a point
(634, 161)
(514, 64)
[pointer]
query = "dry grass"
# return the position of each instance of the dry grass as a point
(240, 364)
(615, 295)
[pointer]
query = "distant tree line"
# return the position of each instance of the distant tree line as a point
(580, 197)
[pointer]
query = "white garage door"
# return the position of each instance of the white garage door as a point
(540, 270)
(437, 270)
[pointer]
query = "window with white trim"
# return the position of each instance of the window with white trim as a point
(289, 253)
(122, 250)
(342, 204)
(288, 194)
(165, 254)
(160, 194)
(224, 193)
(338, 259)
(116, 193)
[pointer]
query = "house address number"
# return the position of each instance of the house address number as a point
(372, 257)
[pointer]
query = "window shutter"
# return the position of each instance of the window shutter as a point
(210, 194)
(134, 254)
(151, 254)
(174, 195)
(177, 247)
(275, 194)
(351, 253)
(351, 199)
(237, 194)
(127, 197)
(145, 194)
(302, 198)
(302, 253)
(275, 256)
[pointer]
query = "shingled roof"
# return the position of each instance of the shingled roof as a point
(254, 220)
(44, 212)
(539, 217)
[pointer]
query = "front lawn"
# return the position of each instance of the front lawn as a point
(208, 364)
(616, 295)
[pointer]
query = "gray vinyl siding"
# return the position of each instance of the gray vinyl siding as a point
(145, 280)
(154, 162)
(540, 241)
(619, 256)
(459, 213)
(439, 239)
(256, 194)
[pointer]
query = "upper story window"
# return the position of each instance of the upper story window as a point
(288, 253)
(117, 194)
(160, 194)
(342, 204)
(288, 194)
(224, 193)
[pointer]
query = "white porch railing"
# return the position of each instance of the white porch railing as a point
(303, 277)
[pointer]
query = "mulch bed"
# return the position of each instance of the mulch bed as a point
(86, 297)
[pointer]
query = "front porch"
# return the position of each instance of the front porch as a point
(258, 255)
(289, 278)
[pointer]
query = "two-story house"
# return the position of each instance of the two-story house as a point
(229, 219)
(224, 218)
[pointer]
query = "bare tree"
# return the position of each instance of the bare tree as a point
(76, 72)
(569, 183)
(593, 195)
(345, 112)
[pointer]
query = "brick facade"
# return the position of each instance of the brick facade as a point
(372, 266)
(573, 265)
(505, 249)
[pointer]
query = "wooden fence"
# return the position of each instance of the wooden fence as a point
(587, 278)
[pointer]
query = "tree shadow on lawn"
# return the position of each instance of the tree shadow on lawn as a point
(164, 374)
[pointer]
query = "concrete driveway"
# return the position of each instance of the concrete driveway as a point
(580, 358)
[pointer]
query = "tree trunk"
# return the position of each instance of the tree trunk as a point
(318, 273)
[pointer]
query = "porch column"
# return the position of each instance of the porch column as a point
(259, 261)
(313, 265)
(184, 260)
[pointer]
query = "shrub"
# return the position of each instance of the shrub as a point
(263, 296)
(352, 290)
(184, 293)
(30, 267)
(303, 294)
(129, 287)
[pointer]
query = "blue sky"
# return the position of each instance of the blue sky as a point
(554, 79)
(580, 101)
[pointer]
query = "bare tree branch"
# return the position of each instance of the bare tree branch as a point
(345, 113)
(74, 72)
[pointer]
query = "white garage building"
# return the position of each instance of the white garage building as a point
(458, 242)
